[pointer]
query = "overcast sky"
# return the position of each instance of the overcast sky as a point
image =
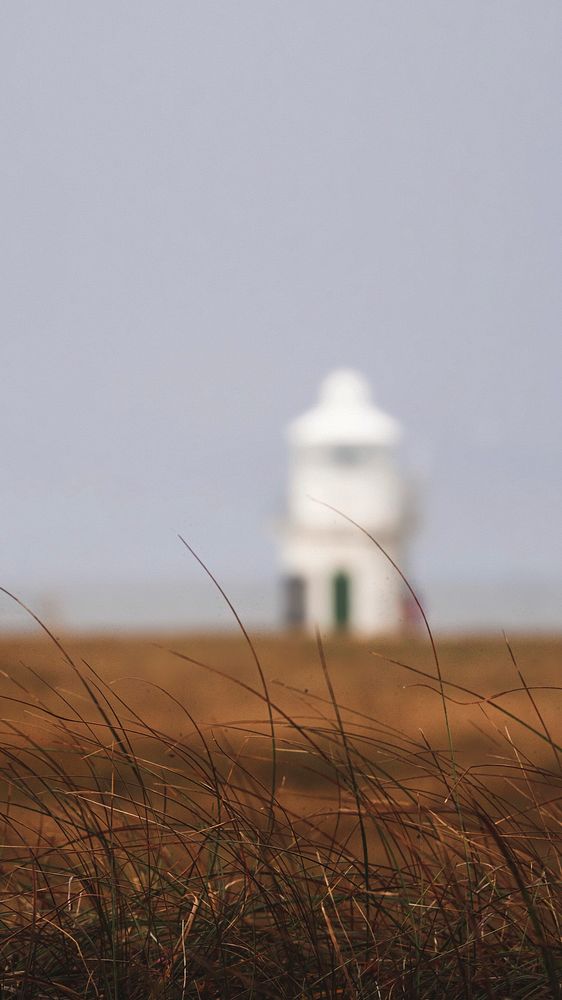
(207, 206)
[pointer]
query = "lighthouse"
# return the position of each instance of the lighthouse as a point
(343, 452)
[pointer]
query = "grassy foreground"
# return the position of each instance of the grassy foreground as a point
(314, 846)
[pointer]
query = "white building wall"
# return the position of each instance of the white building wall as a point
(376, 597)
(371, 492)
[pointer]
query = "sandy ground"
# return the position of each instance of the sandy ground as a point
(161, 686)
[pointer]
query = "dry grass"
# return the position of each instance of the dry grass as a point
(161, 839)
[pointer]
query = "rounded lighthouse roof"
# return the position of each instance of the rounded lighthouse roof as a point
(344, 414)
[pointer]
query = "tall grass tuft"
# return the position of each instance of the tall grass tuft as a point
(354, 861)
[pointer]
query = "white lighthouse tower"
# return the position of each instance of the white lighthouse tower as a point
(343, 452)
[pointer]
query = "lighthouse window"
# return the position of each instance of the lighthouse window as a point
(348, 454)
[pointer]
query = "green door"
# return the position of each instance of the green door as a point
(342, 594)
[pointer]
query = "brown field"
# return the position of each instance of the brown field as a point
(152, 845)
(160, 686)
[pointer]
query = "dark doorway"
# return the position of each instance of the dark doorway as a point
(295, 596)
(342, 600)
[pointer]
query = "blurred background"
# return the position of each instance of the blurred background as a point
(206, 207)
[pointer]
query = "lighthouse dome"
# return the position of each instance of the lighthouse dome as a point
(344, 415)
(345, 387)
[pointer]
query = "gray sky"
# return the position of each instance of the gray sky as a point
(207, 206)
